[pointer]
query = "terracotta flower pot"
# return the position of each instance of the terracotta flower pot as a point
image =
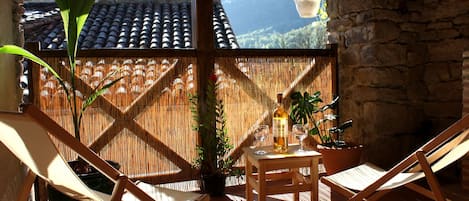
(338, 159)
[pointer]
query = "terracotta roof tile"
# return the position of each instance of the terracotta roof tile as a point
(126, 25)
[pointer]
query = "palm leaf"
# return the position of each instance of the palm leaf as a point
(98, 93)
(74, 14)
(13, 49)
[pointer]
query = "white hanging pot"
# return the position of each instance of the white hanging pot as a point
(307, 8)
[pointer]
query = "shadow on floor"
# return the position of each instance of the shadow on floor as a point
(453, 192)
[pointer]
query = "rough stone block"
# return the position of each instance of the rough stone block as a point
(455, 70)
(414, 5)
(464, 31)
(416, 54)
(444, 9)
(386, 151)
(416, 17)
(383, 31)
(344, 76)
(383, 55)
(356, 35)
(416, 92)
(446, 50)
(440, 25)
(442, 72)
(445, 91)
(381, 77)
(390, 119)
(437, 35)
(463, 19)
(442, 110)
(340, 25)
(333, 38)
(350, 56)
(407, 38)
(385, 14)
(347, 6)
(367, 94)
(412, 27)
(332, 9)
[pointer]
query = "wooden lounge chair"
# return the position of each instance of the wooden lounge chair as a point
(369, 182)
(26, 136)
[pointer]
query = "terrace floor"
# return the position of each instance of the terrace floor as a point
(453, 191)
(235, 191)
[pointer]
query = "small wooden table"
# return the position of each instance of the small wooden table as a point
(263, 182)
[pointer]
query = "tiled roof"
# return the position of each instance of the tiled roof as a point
(126, 25)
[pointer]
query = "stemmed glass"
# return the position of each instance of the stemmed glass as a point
(299, 131)
(260, 135)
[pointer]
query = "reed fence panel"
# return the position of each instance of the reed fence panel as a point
(144, 121)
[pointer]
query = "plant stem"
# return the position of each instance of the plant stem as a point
(76, 116)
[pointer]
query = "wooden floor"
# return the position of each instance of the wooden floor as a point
(235, 191)
(453, 192)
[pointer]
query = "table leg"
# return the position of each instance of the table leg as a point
(296, 193)
(262, 182)
(248, 169)
(314, 179)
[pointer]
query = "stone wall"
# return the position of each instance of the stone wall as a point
(10, 69)
(465, 81)
(399, 70)
(12, 172)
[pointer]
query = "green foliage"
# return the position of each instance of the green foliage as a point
(304, 106)
(313, 36)
(215, 144)
(305, 110)
(74, 15)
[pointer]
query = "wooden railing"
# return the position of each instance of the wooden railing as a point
(144, 122)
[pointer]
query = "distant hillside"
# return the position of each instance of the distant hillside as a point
(312, 36)
(249, 15)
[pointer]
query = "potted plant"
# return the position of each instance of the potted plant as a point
(214, 146)
(320, 123)
(74, 15)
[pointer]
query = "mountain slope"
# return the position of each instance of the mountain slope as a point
(248, 15)
(312, 36)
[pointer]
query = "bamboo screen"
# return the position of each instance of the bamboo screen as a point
(144, 121)
(249, 86)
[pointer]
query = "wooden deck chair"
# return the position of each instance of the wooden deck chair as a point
(26, 136)
(369, 182)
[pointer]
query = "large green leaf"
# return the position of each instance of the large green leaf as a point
(13, 49)
(74, 14)
(97, 93)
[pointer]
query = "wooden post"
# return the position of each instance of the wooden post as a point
(203, 41)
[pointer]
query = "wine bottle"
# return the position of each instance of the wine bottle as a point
(280, 127)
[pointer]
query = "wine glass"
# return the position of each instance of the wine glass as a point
(299, 131)
(260, 135)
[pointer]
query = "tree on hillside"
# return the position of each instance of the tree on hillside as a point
(313, 36)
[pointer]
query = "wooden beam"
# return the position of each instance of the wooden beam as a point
(203, 38)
